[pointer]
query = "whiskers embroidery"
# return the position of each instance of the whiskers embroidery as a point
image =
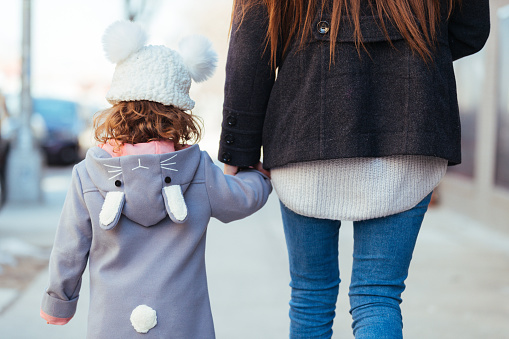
(116, 169)
(165, 164)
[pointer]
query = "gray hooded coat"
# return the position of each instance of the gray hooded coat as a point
(140, 221)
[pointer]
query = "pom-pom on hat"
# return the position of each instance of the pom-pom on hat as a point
(155, 73)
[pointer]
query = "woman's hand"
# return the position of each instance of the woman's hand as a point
(259, 168)
(233, 170)
(230, 170)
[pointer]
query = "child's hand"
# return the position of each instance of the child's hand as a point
(53, 320)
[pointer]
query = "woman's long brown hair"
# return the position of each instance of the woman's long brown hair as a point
(416, 20)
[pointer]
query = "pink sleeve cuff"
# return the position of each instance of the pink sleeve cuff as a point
(54, 321)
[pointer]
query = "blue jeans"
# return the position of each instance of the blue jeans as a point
(382, 253)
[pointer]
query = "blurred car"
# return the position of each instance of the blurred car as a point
(63, 127)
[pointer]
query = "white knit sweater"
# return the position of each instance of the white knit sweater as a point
(357, 188)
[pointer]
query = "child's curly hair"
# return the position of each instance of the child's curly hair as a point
(144, 121)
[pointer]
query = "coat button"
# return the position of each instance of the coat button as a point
(227, 157)
(323, 27)
(167, 180)
(231, 120)
(118, 183)
(230, 139)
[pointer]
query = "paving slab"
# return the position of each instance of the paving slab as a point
(7, 297)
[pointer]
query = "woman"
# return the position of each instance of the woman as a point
(359, 124)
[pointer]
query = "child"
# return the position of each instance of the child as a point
(139, 204)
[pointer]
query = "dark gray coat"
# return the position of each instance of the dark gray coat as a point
(146, 248)
(386, 102)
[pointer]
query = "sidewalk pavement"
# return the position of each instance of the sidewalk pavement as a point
(458, 285)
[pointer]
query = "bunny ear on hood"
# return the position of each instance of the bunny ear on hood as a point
(114, 203)
(111, 210)
(199, 56)
(175, 203)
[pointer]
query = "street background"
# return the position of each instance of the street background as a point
(458, 285)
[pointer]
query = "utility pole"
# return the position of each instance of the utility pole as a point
(134, 9)
(24, 162)
(140, 10)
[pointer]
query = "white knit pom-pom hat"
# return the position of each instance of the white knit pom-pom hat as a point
(155, 73)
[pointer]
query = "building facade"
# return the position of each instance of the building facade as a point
(479, 187)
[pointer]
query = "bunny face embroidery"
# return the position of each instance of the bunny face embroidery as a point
(143, 171)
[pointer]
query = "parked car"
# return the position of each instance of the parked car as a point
(63, 126)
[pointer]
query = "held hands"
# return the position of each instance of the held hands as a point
(233, 170)
(230, 170)
(259, 168)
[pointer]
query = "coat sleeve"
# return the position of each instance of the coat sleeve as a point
(248, 84)
(235, 197)
(69, 257)
(469, 27)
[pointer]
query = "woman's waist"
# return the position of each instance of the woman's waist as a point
(357, 188)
